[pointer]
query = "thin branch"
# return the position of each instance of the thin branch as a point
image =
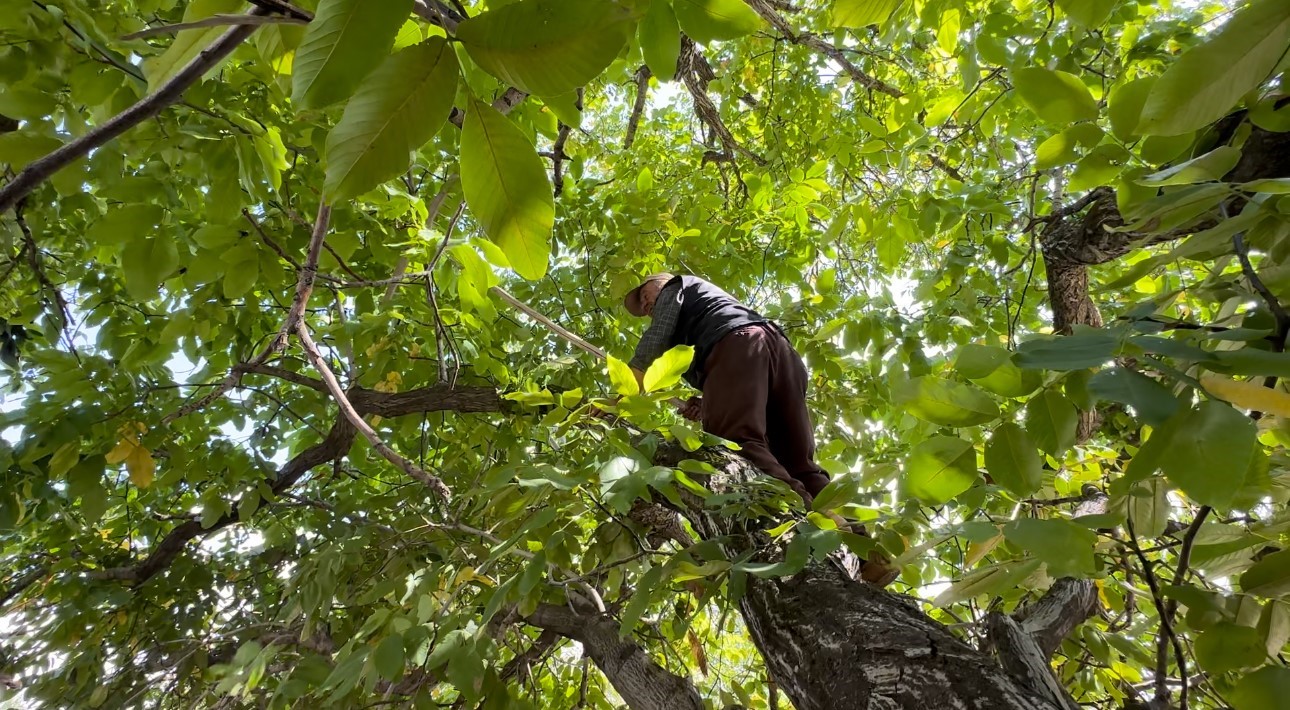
(347, 409)
(557, 159)
(43, 168)
(1166, 626)
(304, 287)
(215, 21)
(277, 248)
(1274, 304)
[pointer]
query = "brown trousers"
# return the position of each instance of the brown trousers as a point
(755, 396)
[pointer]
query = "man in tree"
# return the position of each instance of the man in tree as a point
(753, 382)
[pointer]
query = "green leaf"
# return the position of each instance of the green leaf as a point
(666, 371)
(1263, 689)
(396, 110)
(1089, 13)
(990, 581)
(1069, 352)
(146, 262)
(641, 597)
(939, 469)
(188, 43)
(706, 21)
(1149, 507)
(507, 189)
(1270, 186)
(1210, 166)
(1210, 456)
(1208, 80)
(622, 377)
(1124, 106)
(1013, 460)
(943, 402)
(388, 658)
(1065, 547)
(1057, 97)
(1150, 400)
(992, 369)
(547, 47)
(1227, 647)
(660, 39)
(344, 42)
(862, 13)
(64, 458)
(1269, 577)
(1052, 420)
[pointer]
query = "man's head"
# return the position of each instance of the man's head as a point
(640, 302)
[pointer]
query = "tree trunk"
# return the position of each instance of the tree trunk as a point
(832, 642)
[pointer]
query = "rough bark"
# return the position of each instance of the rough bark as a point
(831, 642)
(641, 682)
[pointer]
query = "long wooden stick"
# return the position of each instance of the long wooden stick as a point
(552, 325)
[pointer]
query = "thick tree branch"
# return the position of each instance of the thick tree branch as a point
(696, 73)
(43, 168)
(638, 107)
(642, 683)
(821, 619)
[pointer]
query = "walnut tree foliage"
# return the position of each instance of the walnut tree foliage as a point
(1035, 254)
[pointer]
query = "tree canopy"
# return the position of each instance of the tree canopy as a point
(273, 433)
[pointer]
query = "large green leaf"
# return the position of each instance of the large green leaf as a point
(507, 189)
(710, 20)
(1265, 688)
(346, 40)
(660, 39)
(146, 261)
(1057, 97)
(1013, 460)
(547, 47)
(1210, 166)
(939, 469)
(1151, 400)
(862, 13)
(1210, 454)
(1071, 352)
(400, 107)
(992, 369)
(1065, 547)
(1228, 647)
(1149, 507)
(1051, 420)
(1208, 80)
(1124, 106)
(188, 43)
(1269, 577)
(1089, 13)
(946, 403)
(666, 371)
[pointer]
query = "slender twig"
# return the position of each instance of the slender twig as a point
(1166, 626)
(304, 287)
(1274, 304)
(434, 483)
(41, 169)
(277, 248)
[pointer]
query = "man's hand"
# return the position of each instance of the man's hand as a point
(692, 409)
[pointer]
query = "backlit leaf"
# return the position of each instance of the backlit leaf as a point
(622, 377)
(1209, 456)
(397, 109)
(861, 13)
(344, 42)
(1208, 80)
(706, 21)
(939, 468)
(507, 189)
(943, 402)
(666, 371)
(187, 44)
(660, 39)
(1057, 97)
(1051, 420)
(1013, 460)
(547, 47)
(1065, 547)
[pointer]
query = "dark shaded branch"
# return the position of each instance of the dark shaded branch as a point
(42, 168)
(438, 13)
(1024, 660)
(696, 73)
(642, 683)
(633, 122)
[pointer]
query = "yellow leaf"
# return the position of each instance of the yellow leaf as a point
(1248, 395)
(978, 550)
(120, 452)
(142, 466)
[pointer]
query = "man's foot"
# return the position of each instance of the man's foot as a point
(878, 570)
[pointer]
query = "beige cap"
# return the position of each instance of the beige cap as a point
(633, 299)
